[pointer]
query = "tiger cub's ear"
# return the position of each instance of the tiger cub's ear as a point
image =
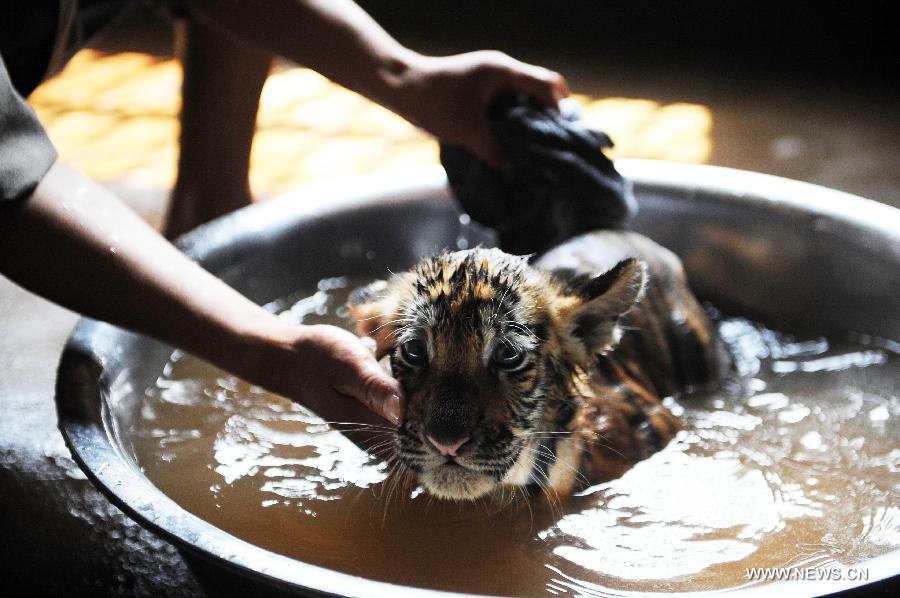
(591, 319)
(375, 308)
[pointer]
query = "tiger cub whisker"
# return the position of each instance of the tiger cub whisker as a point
(545, 373)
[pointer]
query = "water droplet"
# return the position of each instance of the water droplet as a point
(788, 147)
(812, 440)
(879, 414)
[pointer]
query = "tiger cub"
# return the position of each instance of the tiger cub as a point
(546, 374)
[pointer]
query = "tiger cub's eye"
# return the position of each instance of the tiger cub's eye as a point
(508, 357)
(414, 352)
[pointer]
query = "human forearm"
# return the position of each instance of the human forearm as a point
(74, 243)
(447, 96)
(333, 37)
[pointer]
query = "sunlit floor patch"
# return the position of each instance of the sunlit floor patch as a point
(114, 116)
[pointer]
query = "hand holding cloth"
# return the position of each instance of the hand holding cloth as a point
(559, 182)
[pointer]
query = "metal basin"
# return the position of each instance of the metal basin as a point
(794, 256)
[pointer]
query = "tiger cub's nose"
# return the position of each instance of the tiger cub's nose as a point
(448, 450)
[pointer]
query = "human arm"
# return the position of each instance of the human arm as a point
(73, 243)
(447, 96)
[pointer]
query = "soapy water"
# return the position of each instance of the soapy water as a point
(796, 466)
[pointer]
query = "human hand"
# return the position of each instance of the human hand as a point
(322, 368)
(146, 285)
(449, 96)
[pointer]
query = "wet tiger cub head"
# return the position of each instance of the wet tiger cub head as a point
(486, 347)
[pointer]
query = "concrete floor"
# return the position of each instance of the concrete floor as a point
(60, 537)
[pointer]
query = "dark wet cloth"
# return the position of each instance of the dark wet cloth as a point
(561, 183)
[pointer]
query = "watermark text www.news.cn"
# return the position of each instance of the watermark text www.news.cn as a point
(807, 574)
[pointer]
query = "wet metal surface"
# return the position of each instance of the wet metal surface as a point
(724, 223)
(60, 537)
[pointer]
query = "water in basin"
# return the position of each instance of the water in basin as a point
(799, 467)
